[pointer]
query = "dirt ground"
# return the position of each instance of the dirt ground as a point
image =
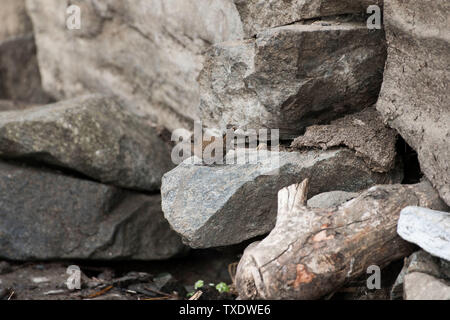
(165, 280)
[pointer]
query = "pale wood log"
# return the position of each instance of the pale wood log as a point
(312, 252)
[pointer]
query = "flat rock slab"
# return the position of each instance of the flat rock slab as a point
(363, 132)
(45, 215)
(415, 96)
(94, 135)
(213, 206)
(291, 77)
(427, 228)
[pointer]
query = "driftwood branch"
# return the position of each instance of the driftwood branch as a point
(312, 252)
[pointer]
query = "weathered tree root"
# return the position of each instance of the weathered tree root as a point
(312, 252)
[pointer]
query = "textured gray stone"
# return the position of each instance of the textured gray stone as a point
(148, 52)
(20, 79)
(291, 77)
(422, 262)
(421, 286)
(258, 15)
(331, 199)
(214, 206)
(45, 215)
(94, 135)
(415, 96)
(427, 228)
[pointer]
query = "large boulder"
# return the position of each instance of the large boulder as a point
(45, 215)
(415, 95)
(93, 135)
(220, 205)
(293, 76)
(148, 51)
(258, 15)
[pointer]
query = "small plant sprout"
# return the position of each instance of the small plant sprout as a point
(222, 287)
(199, 284)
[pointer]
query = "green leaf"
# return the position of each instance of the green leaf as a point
(199, 284)
(222, 287)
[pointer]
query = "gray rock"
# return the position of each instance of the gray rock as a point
(422, 262)
(414, 97)
(421, 286)
(20, 78)
(147, 52)
(214, 206)
(427, 228)
(331, 199)
(291, 77)
(258, 15)
(363, 132)
(14, 18)
(93, 135)
(45, 215)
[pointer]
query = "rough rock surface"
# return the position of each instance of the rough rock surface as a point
(258, 15)
(427, 228)
(421, 286)
(93, 135)
(148, 52)
(363, 132)
(214, 206)
(415, 94)
(45, 215)
(313, 252)
(331, 199)
(14, 18)
(20, 79)
(420, 262)
(291, 77)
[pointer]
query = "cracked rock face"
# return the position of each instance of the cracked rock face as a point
(363, 132)
(258, 15)
(211, 206)
(45, 215)
(93, 135)
(415, 96)
(291, 77)
(148, 52)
